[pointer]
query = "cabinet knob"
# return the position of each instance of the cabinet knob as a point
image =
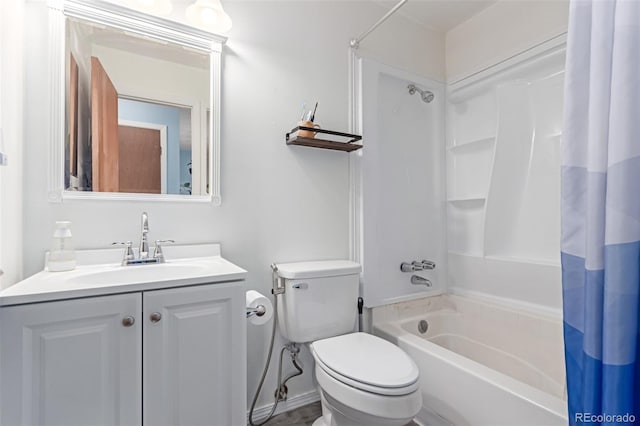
(155, 317)
(128, 321)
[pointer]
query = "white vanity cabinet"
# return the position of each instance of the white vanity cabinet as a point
(173, 356)
(71, 362)
(194, 344)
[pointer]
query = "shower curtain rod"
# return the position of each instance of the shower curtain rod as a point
(355, 42)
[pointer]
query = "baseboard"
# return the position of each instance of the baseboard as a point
(283, 406)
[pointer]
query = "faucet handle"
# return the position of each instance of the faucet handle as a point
(428, 264)
(128, 250)
(406, 267)
(417, 266)
(157, 252)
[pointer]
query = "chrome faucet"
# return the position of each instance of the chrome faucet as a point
(417, 266)
(143, 252)
(418, 280)
(144, 242)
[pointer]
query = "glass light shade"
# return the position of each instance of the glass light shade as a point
(209, 15)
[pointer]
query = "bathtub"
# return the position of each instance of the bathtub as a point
(480, 363)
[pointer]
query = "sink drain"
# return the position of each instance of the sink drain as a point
(423, 326)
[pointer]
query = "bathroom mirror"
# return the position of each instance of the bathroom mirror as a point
(135, 105)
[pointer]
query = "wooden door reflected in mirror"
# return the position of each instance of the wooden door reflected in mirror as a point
(140, 94)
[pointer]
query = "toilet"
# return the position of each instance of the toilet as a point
(363, 379)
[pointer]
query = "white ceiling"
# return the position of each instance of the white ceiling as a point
(441, 15)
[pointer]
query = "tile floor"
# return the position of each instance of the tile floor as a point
(303, 416)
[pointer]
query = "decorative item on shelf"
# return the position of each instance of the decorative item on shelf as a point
(306, 120)
(306, 131)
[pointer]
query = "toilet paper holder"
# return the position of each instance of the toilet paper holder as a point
(258, 311)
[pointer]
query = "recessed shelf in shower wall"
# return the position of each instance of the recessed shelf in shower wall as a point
(471, 202)
(522, 259)
(347, 145)
(466, 225)
(481, 143)
(470, 169)
(554, 135)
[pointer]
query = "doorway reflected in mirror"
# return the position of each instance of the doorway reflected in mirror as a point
(136, 113)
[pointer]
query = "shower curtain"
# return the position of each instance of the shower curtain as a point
(601, 212)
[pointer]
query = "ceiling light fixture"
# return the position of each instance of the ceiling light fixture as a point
(209, 15)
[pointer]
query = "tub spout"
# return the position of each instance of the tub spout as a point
(418, 280)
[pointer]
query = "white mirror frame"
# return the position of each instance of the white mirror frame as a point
(132, 21)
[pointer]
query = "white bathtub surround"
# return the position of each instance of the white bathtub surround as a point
(477, 354)
(398, 188)
(516, 281)
(504, 128)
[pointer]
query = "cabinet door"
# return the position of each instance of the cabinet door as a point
(194, 356)
(71, 362)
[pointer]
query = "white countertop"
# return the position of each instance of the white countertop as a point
(98, 273)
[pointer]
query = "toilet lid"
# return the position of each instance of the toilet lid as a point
(367, 359)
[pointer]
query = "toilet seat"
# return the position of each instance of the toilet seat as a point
(370, 408)
(367, 363)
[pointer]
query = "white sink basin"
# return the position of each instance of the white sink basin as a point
(126, 275)
(108, 278)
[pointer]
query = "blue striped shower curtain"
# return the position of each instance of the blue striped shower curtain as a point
(601, 212)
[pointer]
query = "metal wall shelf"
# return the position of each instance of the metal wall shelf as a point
(292, 138)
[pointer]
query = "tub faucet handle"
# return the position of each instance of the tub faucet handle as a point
(428, 264)
(406, 267)
(417, 266)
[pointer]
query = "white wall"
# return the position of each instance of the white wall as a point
(279, 203)
(11, 122)
(502, 30)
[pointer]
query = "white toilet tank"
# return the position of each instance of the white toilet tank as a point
(319, 300)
